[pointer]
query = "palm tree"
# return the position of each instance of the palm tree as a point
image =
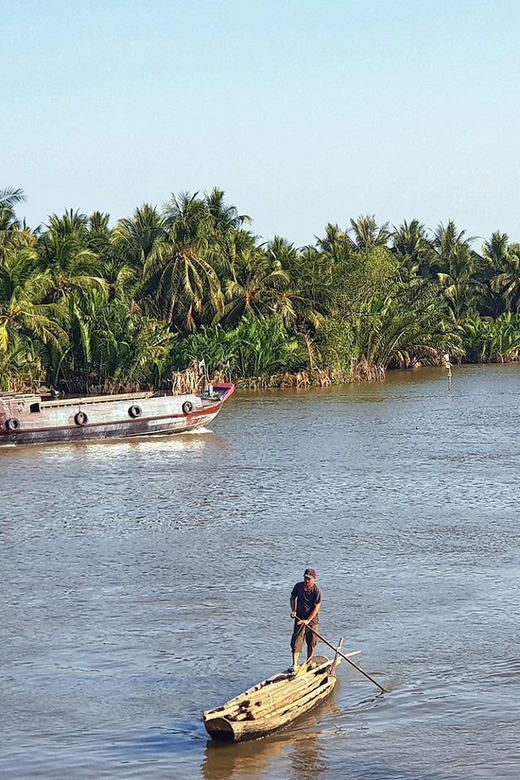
(127, 348)
(227, 241)
(507, 281)
(445, 240)
(137, 241)
(13, 233)
(462, 287)
(262, 347)
(494, 258)
(21, 364)
(336, 244)
(187, 219)
(224, 217)
(460, 270)
(179, 277)
(138, 237)
(496, 250)
(413, 247)
(63, 253)
(311, 282)
(486, 340)
(402, 332)
(99, 234)
(23, 287)
(368, 234)
(9, 198)
(259, 287)
(123, 281)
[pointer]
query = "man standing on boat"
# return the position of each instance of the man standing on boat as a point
(305, 604)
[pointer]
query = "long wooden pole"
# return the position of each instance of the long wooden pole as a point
(322, 639)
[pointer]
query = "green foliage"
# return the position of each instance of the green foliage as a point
(9, 199)
(112, 346)
(257, 347)
(371, 273)
(263, 347)
(86, 304)
(488, 340)
(21, 366)
(335, 343)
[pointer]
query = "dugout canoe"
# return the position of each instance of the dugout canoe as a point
(27, 418)
(272, 703)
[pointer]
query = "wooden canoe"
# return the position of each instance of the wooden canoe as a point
(271, 704)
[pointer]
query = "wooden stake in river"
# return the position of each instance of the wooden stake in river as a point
(448, 368)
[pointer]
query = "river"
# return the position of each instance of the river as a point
(146, 580)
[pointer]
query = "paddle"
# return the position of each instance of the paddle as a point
(322, 639)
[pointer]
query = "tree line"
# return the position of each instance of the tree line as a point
(86, 304)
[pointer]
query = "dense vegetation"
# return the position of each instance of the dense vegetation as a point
(85, 304)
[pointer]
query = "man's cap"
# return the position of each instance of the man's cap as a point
(310, 572)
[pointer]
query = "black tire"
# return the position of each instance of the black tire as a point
(13, 424)
(187, 407)
(81, 418)
(135, 411)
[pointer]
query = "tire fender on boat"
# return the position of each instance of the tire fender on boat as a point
(81, 418)
(187, 407)
(135, 411)
(13, 424)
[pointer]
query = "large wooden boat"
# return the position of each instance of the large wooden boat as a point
(27, 418)
(271, 704)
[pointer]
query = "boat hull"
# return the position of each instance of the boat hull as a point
(27, 419)
(222, 730)
(270, 705)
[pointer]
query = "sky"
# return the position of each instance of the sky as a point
(303, 111)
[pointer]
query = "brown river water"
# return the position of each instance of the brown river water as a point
(144, 581)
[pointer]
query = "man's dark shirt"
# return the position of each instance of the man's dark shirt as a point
(306, 600)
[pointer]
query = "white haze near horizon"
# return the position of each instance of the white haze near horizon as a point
(303, 113)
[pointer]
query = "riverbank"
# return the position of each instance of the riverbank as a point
(330, 377)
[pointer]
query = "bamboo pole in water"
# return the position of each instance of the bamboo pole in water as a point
(322, 639)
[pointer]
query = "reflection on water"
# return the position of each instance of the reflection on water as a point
(303, 752)
(191, 441)
(308, 757)
(240, 761)
(146, 580)
(299, 743)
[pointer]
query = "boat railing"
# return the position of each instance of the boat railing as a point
(93, 399)
(18, 396)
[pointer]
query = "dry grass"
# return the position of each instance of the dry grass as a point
(111, 388)
(188, 381)
(193, 381)
(315, 377)
(366, 372)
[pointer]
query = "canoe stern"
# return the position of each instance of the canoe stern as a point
(220, 729)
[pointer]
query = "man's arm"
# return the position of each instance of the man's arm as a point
(315, 610)
(292, 602)
(311, 617)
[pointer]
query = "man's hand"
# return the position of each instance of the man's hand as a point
(303, 622)
(293, 614)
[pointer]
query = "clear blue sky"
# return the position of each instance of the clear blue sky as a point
(303, 111)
